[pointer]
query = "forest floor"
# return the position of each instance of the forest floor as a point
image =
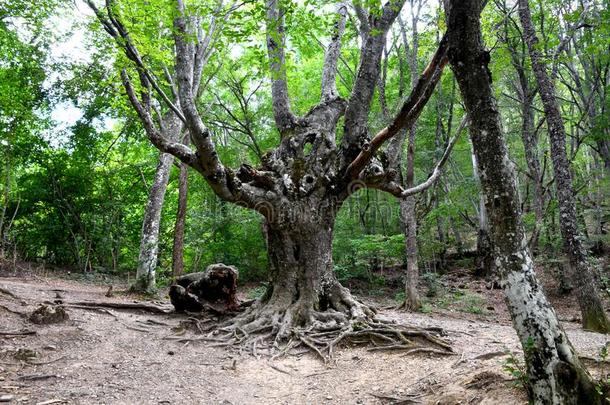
(120, 356)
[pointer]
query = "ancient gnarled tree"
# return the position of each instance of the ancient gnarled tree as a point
(302, 183)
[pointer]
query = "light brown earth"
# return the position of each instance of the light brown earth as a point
(121, 357)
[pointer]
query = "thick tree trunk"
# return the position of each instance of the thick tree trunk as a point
(593, 315)
(178, 248)
(555, 373)
(303, 288)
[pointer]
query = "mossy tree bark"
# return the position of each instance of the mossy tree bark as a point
(555, 373)
(591, 308)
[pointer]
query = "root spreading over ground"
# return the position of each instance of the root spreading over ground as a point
(262, 330)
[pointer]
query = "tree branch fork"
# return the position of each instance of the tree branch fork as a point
(275, 181)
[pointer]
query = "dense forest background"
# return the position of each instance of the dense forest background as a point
(73, 196)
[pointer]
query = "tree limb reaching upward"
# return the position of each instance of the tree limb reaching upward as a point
(409, 112)
(359, 104)
(115, 28)
(208, 160)
(333, 52)
(276, 40)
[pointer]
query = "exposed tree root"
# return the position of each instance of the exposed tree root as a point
(11, 294)
(17, 333)
(118, 305)
(266, 328)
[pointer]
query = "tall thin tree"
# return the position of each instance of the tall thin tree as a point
(555, 373)
(591, 308)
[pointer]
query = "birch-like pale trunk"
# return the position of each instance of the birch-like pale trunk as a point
(178, 247)
(145, 280)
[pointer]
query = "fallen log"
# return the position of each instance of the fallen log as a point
(215, 290)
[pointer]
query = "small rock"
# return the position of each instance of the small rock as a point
(490, 308)
(6, 398)
(329, 397)
(171, 352)
(50, 348)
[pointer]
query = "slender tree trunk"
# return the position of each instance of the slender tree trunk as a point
(484, 265)
(6, 192)
(439, 144)
(603, 146)
(528, 133)
(555, 374)
(593, 315)
(178, 248)
(407, 214)
(149, 241)
(530, 145)
(408, 204)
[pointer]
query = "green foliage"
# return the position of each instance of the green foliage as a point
(432, 283)
(516, 369)
(76, 198)
(462, 301)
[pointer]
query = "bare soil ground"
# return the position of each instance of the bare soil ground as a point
(123, 356)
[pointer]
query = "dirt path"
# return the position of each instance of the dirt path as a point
(121, 357)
